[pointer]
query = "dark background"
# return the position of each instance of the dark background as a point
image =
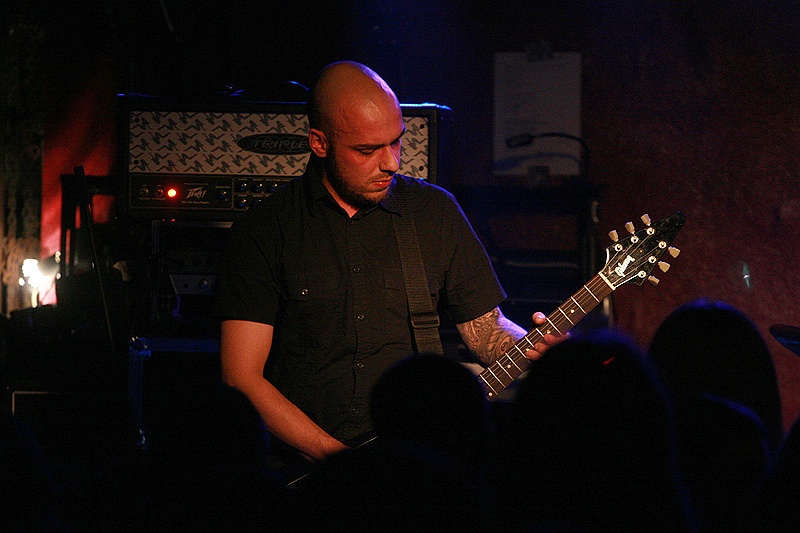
(686, 106)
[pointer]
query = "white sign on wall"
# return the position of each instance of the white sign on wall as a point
(533, 97)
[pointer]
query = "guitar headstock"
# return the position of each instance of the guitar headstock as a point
(632, 259)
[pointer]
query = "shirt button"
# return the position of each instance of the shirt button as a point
(359, 364)
(357, 269)
(360, 317)
(304, 292)
(355, 410)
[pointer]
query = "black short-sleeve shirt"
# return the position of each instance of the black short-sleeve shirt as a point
(332, 286)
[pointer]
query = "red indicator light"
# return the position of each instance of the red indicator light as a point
(172, 192)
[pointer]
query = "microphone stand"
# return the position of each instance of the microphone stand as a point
(84, 202)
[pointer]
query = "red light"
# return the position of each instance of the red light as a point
(172, 192)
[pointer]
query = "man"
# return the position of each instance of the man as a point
(311, 285)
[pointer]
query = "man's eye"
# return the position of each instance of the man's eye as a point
(367, 151)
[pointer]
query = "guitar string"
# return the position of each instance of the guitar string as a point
(490, 375)
(520, 358)
(490, 370)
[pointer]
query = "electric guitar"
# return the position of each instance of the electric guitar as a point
(630, 260)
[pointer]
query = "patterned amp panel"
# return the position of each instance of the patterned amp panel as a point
(219, 163)
(246, 144)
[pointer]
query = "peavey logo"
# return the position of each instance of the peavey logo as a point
(196, 192)
(275, 143)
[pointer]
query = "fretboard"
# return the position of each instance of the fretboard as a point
(499, 375)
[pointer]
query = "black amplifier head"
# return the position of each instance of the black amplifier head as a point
(155, 196)
(214, 160)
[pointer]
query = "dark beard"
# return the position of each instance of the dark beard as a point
(345, 192)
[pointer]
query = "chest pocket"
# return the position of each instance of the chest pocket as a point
(312, 303)
(311, 286)
(309, 322)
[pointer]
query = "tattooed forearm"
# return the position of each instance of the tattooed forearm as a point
(490, 335)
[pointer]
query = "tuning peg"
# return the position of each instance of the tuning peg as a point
(663, 266)
(613, 235)
(674, 252)
(654, 280)
(629, 226)
(646, 219)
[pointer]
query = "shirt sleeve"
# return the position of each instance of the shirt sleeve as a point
(246, 287)
(471, 287)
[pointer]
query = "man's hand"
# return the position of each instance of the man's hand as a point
(490, 335)
(547, 341)
(244, 349)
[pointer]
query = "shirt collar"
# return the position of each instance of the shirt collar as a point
(316, 191)
(391, 203)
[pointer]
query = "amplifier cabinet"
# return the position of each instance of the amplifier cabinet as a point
(173, 384)
(214, 160)
(185, 261)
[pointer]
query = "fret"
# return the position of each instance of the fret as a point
(561, 324)
(498, 365)
(628, 260)
(554, 326)
(590, 292)
(527, 339)
(566, 316)
(513, 362)
(490, 391)
(500, 381)
(607, 282)
(520, 352)
(536, 331)
(579, 305)
(518, 349)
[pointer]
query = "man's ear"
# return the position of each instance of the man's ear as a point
(318, 142)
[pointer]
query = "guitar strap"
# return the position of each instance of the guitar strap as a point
(424, 319)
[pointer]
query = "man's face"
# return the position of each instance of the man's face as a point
(363, 156)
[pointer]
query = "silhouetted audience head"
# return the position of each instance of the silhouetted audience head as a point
(211, 473)
(590, 443)
(393, 486)
(432, 400)
(724, 457)
(718, 369)
(779, 499)
(424, 472)
(710, 347)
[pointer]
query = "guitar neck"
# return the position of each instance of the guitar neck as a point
(499, 375)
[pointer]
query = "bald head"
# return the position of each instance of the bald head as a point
(356, 130)
(347, 89)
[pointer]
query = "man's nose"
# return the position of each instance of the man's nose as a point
(390, 159)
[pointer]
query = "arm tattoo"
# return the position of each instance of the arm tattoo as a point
(490, 335)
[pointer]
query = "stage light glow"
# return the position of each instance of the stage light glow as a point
(39, 276)
(172, 192)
